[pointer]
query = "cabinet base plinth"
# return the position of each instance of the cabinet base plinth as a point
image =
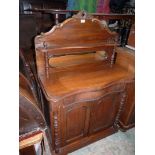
(85, 141)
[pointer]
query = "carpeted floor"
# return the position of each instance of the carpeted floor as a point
(121, 143)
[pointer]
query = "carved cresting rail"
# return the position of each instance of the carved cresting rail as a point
(65, 38)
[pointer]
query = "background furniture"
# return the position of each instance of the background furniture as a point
(38, 16)
(131, 38)
(33, 129)
(32, 126)
(85, 97)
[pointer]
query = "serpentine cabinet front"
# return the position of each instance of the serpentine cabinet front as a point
(79, 116)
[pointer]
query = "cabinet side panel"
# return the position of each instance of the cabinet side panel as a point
(127, 116)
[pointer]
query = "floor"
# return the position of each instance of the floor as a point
(121, 143)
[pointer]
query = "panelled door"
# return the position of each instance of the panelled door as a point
(104, 111)
(75, 121)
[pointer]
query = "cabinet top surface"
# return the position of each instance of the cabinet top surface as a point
(64, 82)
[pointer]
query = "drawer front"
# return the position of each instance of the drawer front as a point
(94, 94)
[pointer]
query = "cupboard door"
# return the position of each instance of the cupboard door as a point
(104, 111)
(75, 121)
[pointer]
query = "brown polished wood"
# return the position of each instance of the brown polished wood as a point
(85, 98)
(126, 58)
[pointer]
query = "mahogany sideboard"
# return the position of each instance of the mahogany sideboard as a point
(84, 81)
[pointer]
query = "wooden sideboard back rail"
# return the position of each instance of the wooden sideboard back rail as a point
(79, 34)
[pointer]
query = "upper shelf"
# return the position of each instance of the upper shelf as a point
(79, 32)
